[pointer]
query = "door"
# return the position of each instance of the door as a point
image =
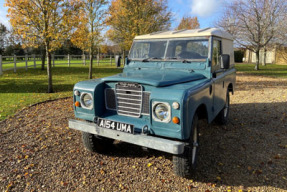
(219, 90)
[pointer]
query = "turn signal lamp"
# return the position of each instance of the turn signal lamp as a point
(77, 104)
(175, 120)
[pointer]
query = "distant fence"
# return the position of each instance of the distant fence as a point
(32, 61)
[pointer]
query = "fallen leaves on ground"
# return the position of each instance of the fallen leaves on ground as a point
(40, 153)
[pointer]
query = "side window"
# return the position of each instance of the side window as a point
(216, 52)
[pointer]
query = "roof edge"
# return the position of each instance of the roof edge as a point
(187, 33)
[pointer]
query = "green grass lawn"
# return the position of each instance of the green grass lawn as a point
(21, 89)
(273, 70)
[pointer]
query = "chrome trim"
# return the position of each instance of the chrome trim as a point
(129, 107)
(129, 94)
(129, 103)
(122, 98)
(81, 101)
(118, 97)
(128, 99)
(154, 103)
(128, 111)
(128, 90)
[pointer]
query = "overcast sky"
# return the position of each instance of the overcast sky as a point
(207, 11)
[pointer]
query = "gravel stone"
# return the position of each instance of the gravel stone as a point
(40, 153)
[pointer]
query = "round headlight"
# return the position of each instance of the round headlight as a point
(87, 100)
(161, 111)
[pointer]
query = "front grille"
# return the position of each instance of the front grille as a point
(110, 99)
(145, 106)
(128, 99)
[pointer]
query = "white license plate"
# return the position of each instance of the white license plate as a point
(114, 125)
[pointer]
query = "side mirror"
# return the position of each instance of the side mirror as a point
(224, 61)
(118, 60)
(127, 61)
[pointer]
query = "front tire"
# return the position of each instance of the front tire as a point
(222, 117)
(184, 165)
(95, 143)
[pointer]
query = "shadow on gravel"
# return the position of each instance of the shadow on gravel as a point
(121, 149)
(250, 151)
(38, 148)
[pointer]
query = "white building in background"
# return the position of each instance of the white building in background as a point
(276, 55)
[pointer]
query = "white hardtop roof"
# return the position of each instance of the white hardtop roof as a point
(187, 33)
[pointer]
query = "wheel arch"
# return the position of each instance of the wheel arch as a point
(230, 88)
(202, 113)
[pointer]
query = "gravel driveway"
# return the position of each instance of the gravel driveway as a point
(39, 153)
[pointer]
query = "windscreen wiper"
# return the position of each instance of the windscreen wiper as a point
(186, 61)
(173, 58)
(148, 59)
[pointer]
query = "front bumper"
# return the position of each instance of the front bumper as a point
(166, 145)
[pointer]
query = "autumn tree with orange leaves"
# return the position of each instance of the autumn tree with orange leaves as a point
(188, 23)
(91, 16)
(44, 22)
(128, 18)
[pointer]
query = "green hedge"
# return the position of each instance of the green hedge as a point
(238, 56)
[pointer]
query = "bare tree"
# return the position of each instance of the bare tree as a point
(254, 23)
(3, 37)
(281, 41)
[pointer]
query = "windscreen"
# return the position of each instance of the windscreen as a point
(148, 49)
(170, 49)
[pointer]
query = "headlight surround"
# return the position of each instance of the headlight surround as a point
(87, 100)
(161, 112)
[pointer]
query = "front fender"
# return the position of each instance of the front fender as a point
(96, 88)
(193, 100)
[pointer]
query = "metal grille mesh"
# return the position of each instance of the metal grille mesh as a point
(111, 99)
(128, 99)
(145, 106)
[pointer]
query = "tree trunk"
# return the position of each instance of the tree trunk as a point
(43, 60)
(264, 57)
(124, 57)
(91, 64)
(49, 69)
(91, 49)
(257, 60)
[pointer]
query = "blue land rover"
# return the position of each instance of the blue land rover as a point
(170, 81)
